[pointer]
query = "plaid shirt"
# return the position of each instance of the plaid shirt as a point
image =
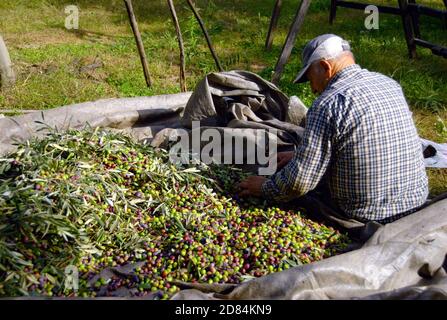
(360, 136)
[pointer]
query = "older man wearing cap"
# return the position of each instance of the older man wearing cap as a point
(360, 142)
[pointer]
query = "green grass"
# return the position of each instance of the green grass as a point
(47, 57)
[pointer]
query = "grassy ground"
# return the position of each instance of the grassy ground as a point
(49, 59)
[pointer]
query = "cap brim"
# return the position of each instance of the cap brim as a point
(301, 77)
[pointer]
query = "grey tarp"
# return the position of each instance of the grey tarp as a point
(156, 113)
(401, 260)
(241, 99)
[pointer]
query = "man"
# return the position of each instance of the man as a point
(360, 141)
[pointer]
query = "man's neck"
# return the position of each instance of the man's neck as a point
(339, 66)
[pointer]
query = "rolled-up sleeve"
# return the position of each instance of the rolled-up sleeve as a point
(310, 161)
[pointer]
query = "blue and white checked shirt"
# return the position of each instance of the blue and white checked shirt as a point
(361, 136)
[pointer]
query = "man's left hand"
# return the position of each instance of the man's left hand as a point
(252, 186)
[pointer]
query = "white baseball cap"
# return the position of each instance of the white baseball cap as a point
(326, 46)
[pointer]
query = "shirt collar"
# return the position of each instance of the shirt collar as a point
(343, 74)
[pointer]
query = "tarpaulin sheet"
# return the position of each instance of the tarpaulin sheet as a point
(439, 157)
(405, 259)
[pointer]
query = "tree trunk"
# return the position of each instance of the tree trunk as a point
(205, 32)
(180, 44)
(290, 41)
(273, 24)
(7, 74)
(139, 41)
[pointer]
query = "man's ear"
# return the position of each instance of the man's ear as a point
(327, 67)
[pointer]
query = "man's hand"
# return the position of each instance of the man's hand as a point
(251, 186)
(284, 158)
